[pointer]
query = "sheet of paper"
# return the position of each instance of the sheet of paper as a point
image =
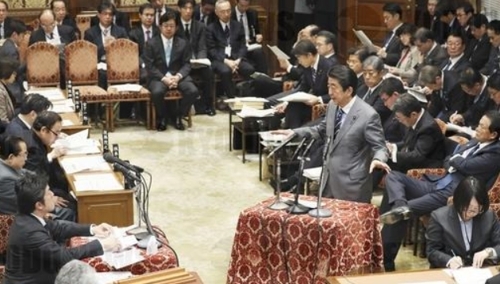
(67, 122)
(127, 87)
(253, 46)
(363, 38)
(97, 182)
(124, 258)
(299, 97)
(269, 137)
(76, 140)
(247, 111)
(202, 61)
(53, 94)
(102, 66)
(462, 129)
(278, 52)
(471, 275)
(312, 173)
(246, 99)
(73, 165)
(63, 106)
(418, 92)
(111, 277)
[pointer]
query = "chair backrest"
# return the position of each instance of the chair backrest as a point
(83, 22)
(81, 62)
(5, 223)
(122, 60)
(23, 47)
(42, 65)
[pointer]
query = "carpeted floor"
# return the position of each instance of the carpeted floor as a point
(199, 189)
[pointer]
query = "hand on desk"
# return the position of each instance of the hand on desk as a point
(110, 243)
(103, 230)
(58, 152)
(479, 258)
(287, 132)
(455, 262)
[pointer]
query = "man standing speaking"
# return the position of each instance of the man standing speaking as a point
(354, 138)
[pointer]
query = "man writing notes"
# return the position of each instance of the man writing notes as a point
(355, 143)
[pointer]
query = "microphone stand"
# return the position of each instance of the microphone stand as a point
(297, 208)
(278, 203)
(322, 212)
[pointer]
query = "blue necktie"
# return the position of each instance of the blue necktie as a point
(313, 74)
(338, 121)
(168, 52)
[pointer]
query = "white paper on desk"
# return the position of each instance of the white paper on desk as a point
(102, 66)
(127, 87)
(67, 122)
(299, 97)
(246, 100)
(471, 275)
(312, 173)
(75, 140)
(63, 106)
(202, 61)
(247, 111)
(462, 129)
(418, 92)
(278, 52)
(52, 94)
(73, 165)
(97, 182)
(269, 137)
(111, 277)
(124, 258)
(253, 46)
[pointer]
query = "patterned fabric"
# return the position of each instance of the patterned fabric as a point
(122, 59)
(495, 207)
(5, 223)
(42, 63)
(95, 94)
(418, 173)
(163, 259)
(23, 47)
(273, 246)
(494, 192)
(80, 69)
(83, 23)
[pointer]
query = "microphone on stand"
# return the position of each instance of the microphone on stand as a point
(283, 144)
(126, 172)
(322, 212)
(297, 208)
(108, 157)
(299, 147)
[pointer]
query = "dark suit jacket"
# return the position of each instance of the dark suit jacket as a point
(476, 110)
(9, 49)
(253, 22)
(325, 6)
(137, 35)
(444, 236)
(68, 21)
(393, 49)
(493, 64)
(459, 66)
(121, 20)
(66, 33)
(35, 257)
(436, 57)
(450, 99)
(8, 179)
(422, 147)
(94, 35)
(6, 25)
(197, 38)
(216, 41)
(480, 52)
(320, 86)
(197, 15)
(17, 128)
(394, 130)
(440, 30)
(375, 101)
(156, 64)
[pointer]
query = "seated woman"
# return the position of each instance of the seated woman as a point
(410, 56)
(465, 233)
(8, 67)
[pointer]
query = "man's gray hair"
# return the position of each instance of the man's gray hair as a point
(428, 74)
(375, 62)
(76, 272)
(220, 2)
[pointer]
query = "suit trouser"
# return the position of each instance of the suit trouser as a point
(189, 95)
(258, 60)
(297, 114)
(207, 75)
(266, 87)
(225, 73)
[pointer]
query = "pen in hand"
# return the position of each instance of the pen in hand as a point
(457, 259)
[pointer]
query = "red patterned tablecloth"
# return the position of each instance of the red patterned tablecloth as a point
(273, 246)
(163, 259)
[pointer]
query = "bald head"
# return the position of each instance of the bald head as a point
(47, 20)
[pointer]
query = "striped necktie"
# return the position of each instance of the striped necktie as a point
(338, 121)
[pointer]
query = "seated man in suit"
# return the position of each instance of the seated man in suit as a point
(493, 64)
(4, 18)
(465, 12)
(445, 12)
(455, 47)
(249, 19)
(46, 129)
(391, 51)
(13, 154)
(33, 254)
(160, 9)
(104, 33)
(494, 91)
(57, 35)
(227, 48)
(167, 60)
(62, 16)
(31, 106)
(478, 100)
(10, 48)
(205, 12)
(120, 18)
(194, 33)
(326, 43)
(447, 96)
(355, 58)
(480, 45)
(407, 196)
(390, 90)
(432, 52)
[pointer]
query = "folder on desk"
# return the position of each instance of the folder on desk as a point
(97, 182)
(73, 165)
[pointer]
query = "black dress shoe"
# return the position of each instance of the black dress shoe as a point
(395, 215)
(179, 125)
(162, 125)
(210, 111)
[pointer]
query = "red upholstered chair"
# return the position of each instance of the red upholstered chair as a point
(5, 223)
(42, 65)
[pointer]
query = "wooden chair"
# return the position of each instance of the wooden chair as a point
(83, 22)
(42, 65)
(122, 60)
(23, 47)
(81, 69)
(5, 223)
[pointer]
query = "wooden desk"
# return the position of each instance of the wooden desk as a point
(115, 207)
(77, 124)
(398, 277)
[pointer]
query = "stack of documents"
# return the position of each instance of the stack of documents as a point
(247, 111)
(299, 97)
(312, 173)
(75, 164)
(78, 144)
(97, 182)
(239, 103)
(127, 87)
(53, 94)
(267, 136)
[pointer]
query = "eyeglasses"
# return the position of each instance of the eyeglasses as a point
(55, 133)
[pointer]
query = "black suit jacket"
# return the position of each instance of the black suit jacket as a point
(217, 42)
(475, 110)
(440, 30)
(197, 38)
(6, 25)
(253, 22)
(156, 64)
(450, 99)
(137, 35)
(9, 49)
(436, 57)
(66, 33)
(320, 86)
(197, 16)
(480, 52)
(493, 64)
(34, 256)
(375, 101)
(121, 20)
(394, 130)
(445, 239)
(94, 35)
(68, 21)
(422, 147)
(393, 49)
(17, 128)
(459, 66)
